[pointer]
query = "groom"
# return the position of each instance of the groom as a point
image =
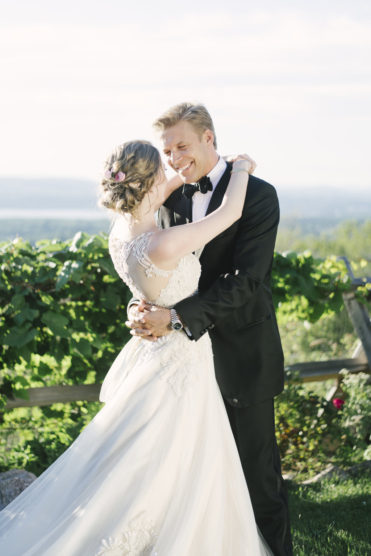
(233, 303)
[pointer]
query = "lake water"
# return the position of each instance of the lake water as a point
(54, 214)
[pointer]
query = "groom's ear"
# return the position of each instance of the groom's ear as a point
(208, 137)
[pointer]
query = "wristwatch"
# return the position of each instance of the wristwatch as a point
(175, 322)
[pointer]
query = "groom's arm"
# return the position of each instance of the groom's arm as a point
(253, 255)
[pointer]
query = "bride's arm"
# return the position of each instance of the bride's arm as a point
(168, 246)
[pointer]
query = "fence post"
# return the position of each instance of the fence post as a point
(361, 322)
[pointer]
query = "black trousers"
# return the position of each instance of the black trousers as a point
(253, 430)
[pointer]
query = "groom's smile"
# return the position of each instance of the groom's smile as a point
(183, 170)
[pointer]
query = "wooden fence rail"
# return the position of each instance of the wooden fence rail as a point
(309, 372)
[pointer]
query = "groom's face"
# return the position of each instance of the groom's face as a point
(190, 154)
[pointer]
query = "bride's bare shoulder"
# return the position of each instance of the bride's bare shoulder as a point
(161, 249)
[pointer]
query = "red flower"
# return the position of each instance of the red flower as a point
(338, 403)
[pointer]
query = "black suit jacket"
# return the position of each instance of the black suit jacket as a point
(234, 300)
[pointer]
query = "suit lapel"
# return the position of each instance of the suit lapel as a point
(177, 210)
(216, 199)
(219, 190)
(187, 208)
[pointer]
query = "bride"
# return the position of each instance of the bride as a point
(156, 472)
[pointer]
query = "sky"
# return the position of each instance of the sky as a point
(288, 82)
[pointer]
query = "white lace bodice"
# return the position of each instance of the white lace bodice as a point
(163, 288)
(145, 280)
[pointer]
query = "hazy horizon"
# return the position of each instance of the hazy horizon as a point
(285, 186)
(45, 198)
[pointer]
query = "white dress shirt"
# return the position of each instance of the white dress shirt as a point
(200, 201)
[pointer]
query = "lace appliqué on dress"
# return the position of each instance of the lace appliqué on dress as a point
(181, 282)
(137, 540)
(176, 370)
(120, 251)
(140, 250)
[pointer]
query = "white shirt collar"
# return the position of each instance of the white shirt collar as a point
(216, 173)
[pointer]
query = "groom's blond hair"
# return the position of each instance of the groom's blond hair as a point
(196, 114)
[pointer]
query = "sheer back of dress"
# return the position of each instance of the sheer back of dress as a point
(146, 280)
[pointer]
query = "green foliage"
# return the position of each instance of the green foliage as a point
(306, 288)
(331, 337)
(356, 412)
(312, 431)
(33, 438)
(307, 427)
(349, 238)
(62, 313)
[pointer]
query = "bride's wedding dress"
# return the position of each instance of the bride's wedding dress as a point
(156, 472)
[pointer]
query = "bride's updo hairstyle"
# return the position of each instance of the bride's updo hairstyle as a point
(130, 172)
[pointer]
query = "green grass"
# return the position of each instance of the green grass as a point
(332, 517)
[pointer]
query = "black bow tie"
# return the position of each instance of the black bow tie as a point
(203, 186)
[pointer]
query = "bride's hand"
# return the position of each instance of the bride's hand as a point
(148, 321)
(234, 158)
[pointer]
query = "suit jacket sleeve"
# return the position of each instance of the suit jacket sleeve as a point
(252, 262)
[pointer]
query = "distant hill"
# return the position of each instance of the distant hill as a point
(48, 193)
(63, 194)
(325, 202)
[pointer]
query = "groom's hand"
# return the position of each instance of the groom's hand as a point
(149, 321)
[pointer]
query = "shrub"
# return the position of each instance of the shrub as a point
(312, 430)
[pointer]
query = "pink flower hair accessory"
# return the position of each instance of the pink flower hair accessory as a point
(109, 175)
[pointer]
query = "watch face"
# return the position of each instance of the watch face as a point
(177, 325)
